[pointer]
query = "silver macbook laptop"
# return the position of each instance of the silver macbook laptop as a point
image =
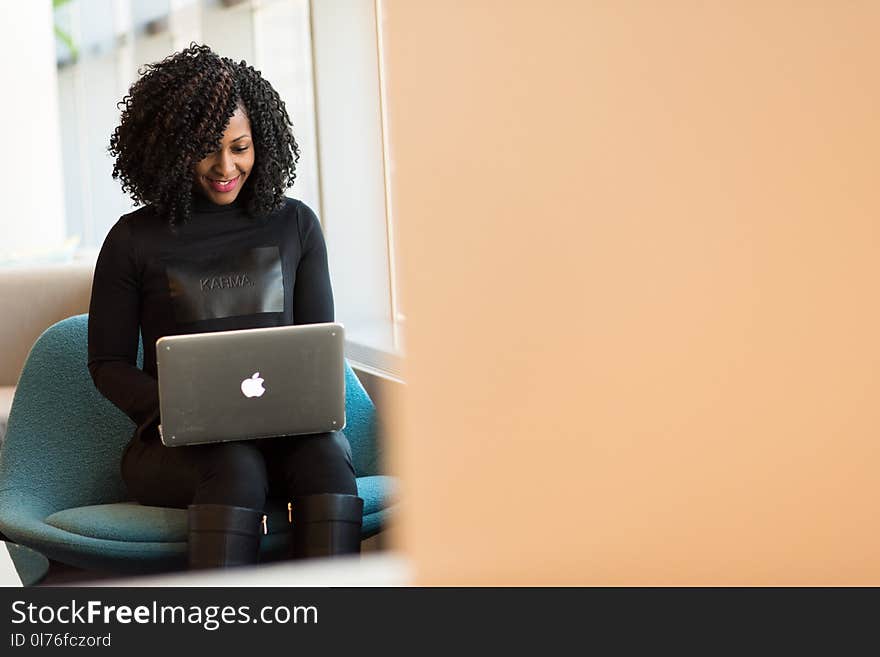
(252, 383)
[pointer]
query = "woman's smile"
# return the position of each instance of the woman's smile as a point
(224, 186)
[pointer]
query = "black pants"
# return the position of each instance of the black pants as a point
(237, 473)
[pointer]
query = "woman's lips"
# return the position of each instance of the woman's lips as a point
(222, 187)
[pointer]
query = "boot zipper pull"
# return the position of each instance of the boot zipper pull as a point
(265, 525)
(290, 512)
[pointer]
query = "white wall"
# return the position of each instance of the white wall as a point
(31, 184)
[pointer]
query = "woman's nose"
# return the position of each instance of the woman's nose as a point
(225, 165)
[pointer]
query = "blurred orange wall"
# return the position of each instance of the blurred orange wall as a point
(640, 250)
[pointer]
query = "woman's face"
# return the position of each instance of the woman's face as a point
(221, 175)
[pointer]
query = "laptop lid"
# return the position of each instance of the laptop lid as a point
(251, 383)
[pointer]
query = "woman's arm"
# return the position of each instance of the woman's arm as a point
(312, 294)
(114, 317)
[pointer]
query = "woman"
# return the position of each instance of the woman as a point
(205, 145)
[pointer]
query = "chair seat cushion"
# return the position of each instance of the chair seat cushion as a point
(130, 521)
(124, 521)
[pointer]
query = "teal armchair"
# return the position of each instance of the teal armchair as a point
(61, 491)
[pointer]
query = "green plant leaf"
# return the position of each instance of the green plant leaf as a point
(67, 40)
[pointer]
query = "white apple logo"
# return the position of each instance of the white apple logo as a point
(253, 387)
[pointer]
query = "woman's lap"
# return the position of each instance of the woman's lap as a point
(241, 473)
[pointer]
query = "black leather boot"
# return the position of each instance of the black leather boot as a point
(325, 525)
(221, 536)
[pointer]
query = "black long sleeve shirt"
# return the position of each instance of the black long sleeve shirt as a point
(222, 270)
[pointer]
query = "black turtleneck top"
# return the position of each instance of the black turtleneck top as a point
(221, 270)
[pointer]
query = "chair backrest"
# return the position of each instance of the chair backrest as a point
(65, 440)
(361, 426)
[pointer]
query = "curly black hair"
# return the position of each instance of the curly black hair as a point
(175, 114)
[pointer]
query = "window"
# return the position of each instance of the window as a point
(356, 212)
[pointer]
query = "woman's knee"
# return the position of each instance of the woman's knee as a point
(321, 463)
(231, 473)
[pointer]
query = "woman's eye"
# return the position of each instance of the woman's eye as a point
(239, 150)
